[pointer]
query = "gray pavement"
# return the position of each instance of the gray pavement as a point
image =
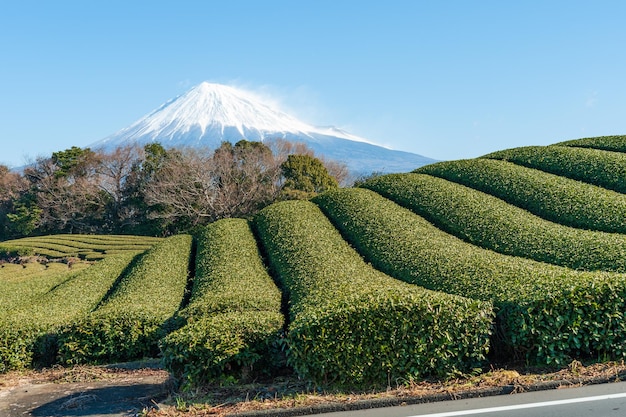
(602, 400)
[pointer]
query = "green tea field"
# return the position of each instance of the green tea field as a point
(519, 255)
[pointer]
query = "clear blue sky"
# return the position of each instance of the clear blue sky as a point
(445, 79)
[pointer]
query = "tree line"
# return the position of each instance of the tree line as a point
(155, 191)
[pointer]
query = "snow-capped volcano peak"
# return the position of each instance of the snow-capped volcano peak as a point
(210, 104)
(210, 108)
(209, 114)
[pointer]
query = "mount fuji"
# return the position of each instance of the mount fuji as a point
(209, 114)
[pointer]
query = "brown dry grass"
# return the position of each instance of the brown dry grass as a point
(78, 374)
(286, 395)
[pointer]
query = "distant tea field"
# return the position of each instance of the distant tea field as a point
(88, 247)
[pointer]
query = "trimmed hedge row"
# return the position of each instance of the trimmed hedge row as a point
(41, 246)
(547, 313)
(10, 271)
(132, 319)
(561, 200)
(21, 284)
(607, 143)
(353, 324)
(14, 272)
(233, 316)
(230, 273)
(108, 239)
(593, 166)
(54, 254)
(489, 222)
(10, 252)
(104, 246)
(59, 246)
(29, 333)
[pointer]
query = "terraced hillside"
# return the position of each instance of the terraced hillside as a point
(88, 247)
(519, 254)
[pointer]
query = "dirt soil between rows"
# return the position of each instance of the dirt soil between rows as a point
(84, 391)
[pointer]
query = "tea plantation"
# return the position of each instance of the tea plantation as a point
(520, 255)
(88, 247)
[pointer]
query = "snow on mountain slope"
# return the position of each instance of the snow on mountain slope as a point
(209, 114)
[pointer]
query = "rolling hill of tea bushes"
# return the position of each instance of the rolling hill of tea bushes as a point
(520, 254)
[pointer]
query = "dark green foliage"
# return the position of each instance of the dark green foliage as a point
(119, 336)
(24, 218)
(561, 200)
(547, 313)
(73, 161)
(28, 333)
(155, 156)
(305, 176)
(246, 148)
(601, 168)
(8, 252)
(489, 222)
(607, 143)
(16, 214)
(141, 219)
(133, 318)
(233, 317)
(211, 346)
(351, 324)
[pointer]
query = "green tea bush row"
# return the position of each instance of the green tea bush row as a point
(561, 200)
(28, 333)
(51, 244)
(351, 324)
(492, 223)
(212, 346)
(52, 250)
(11, 252)
(79, 239)
(601, 168)
(607, 143)
(10, 272)
(45, 241)
(92, 256)
(27, 283)
(92, 244)
(14, 272)
(230, 273)
(233, 316)
(547, 313)
(58, 246)
(129, 323)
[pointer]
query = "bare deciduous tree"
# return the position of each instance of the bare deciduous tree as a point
(147, 190)
(198, 187)
(67, 194)
(114, 169)
(181, 187)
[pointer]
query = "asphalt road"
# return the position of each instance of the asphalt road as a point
(601, 400)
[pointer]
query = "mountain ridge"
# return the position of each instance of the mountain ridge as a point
(208, 114)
